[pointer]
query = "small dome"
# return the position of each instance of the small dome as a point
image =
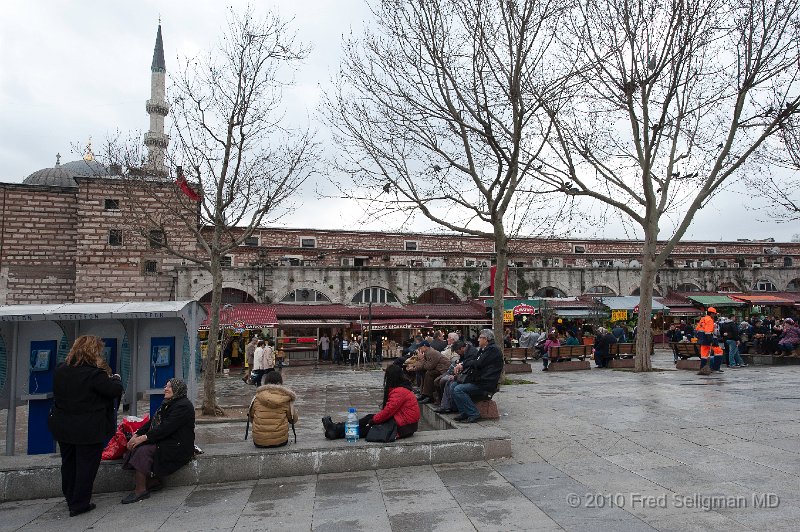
(62, 175)
(56, 177)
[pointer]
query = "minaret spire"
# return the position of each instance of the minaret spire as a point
(158, 108)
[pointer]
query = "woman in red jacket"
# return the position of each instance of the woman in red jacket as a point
(399, 402)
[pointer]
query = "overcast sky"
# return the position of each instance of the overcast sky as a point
(73, 70)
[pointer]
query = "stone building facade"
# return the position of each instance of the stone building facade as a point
(291, 265)
(76, 244)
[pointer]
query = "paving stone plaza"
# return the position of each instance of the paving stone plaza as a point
(592, 450)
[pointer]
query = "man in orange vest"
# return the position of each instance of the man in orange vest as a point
(705, 335)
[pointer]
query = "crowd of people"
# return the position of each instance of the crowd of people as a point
(766, 336)
(724, 338)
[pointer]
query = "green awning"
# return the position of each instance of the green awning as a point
(715, 301)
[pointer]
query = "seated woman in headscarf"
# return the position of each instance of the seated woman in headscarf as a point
(164, 444)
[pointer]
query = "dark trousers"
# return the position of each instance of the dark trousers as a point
(79, 464)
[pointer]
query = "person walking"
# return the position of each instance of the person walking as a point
(249, 354)
(263, 361)
(82, 418)
(324, 345)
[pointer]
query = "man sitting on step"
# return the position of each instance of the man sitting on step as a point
(479, 377)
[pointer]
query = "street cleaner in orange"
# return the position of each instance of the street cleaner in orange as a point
(705, 336)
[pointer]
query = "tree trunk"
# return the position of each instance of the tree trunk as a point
(210, 406)
(644, 329)
(499, 286)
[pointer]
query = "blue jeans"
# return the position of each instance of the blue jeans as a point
(463, 401)
(733, 353)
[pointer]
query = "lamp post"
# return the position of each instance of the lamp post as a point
(369, 328)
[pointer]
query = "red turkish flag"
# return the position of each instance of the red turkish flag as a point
(185, 187)
(492, 271)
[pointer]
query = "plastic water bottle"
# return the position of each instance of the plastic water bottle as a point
(351, 426)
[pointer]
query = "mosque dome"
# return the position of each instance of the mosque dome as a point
(62, 175)
(58, 176)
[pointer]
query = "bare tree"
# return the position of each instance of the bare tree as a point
(242, 165)
(674, 99)
(432, 113)
(782, 186)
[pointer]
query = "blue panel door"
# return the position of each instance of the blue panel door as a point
(162, 367)
(40, 381)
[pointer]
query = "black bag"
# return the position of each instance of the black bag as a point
(383, 432)
(468, 375)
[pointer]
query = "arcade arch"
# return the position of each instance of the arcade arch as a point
(436, 296)
(230, 296)
(550, 291)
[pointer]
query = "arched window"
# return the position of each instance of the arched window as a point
(231, 296)
(687, 287)
(305, 295)
(764, 285)
(550, 291)
(794, 285)
(727, 287)
(600, 290)
(787, 262)
(376, 294)
(637, 291)
(437, 296)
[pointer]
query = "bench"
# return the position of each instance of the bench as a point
(485, 404)
(514, 358)
(561, 357)
(684, 351)
(622, 355)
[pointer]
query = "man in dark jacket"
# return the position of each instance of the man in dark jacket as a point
(602, 347)
(481, 375)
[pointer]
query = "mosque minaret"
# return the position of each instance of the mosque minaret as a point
(158, 108)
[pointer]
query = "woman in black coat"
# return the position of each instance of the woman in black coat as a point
(82, 418)
(164, 444)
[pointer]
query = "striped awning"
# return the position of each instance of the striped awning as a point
(314, 322)
(244, 316)
(764, 299)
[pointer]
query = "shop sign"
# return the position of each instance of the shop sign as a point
(508, 316)
(522, 309)
(619, 315)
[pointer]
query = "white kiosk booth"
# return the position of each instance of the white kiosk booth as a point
(147, 343)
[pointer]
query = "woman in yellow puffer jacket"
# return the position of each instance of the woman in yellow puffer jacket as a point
(271, 412)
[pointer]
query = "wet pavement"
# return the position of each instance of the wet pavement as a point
(324, 390)
(593, 450)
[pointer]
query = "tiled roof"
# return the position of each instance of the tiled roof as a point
(246, 314)
(469, 310)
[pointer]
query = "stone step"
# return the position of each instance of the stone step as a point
(35, 477)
